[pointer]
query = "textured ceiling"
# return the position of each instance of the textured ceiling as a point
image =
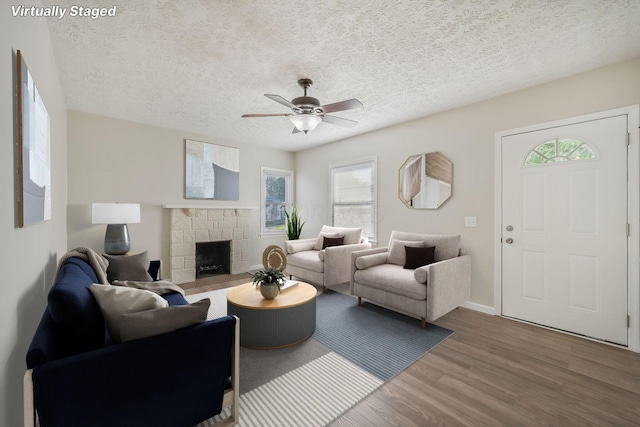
(197, 66)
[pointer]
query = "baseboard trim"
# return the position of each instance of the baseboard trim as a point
(479, 307)
(255, 267)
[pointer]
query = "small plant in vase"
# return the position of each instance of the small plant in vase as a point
(269, 280)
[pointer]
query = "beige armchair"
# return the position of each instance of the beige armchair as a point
(309, 260)
(384, 276)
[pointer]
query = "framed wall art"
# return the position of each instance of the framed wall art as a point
(211, 171)
(33, 151)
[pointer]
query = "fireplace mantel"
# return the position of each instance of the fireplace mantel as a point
(183, 206)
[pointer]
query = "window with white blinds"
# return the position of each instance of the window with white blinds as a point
(354, 195)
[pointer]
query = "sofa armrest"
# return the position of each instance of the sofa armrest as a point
(337, 262)
(448, 285)
(367, 261)
(135, 382)
(358, 254)
(293, 246)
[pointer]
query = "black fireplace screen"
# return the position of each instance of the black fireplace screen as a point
(213, 258)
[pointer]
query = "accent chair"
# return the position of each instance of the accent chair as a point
(421, 275)
(326, 259)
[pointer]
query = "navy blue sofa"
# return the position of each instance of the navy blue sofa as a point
(77, 377)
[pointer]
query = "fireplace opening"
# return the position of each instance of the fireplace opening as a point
(213, 258)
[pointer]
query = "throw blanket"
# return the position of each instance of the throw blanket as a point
(160, 287)
(100, 264)
(95, 260)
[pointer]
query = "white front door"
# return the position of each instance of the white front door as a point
(564, 227)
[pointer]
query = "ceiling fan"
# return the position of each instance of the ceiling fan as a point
(307, 112)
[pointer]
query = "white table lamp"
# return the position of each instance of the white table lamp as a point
(116, 216)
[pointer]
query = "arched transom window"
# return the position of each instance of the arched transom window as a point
(559, 150)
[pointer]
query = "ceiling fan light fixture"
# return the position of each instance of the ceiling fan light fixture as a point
(305, 122)
(307, 112)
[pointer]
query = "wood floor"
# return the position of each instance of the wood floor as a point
(497, 372)
(214, 283)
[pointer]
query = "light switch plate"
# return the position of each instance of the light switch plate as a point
(470, 221)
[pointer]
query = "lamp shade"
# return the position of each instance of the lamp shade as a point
(115, 213)
(305, 122)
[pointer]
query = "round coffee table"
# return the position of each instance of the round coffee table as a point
(288, 319)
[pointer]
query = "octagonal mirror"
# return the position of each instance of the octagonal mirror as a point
(425, 180)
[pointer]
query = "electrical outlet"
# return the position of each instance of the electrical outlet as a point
(470, 221)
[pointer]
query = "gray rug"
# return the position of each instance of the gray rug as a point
(353, 351)
(378, 340)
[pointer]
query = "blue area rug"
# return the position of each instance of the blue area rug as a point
(380, 341)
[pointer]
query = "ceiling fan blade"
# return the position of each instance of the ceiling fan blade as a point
(295, 130)
(280, 100)
(267, 115)
(339, 121)
(349, 104)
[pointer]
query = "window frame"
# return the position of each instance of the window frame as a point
(373, 161)
(549, 160)
(264, 173)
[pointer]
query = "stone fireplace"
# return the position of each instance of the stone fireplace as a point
(194, 225)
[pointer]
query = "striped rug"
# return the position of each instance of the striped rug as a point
(312, 395)
(318, 391)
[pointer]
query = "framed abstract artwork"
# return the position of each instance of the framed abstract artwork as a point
(33, 150)
(211, 171)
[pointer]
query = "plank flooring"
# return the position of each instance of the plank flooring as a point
(214, 283)
(497, 372)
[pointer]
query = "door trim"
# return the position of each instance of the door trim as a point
(633, 210)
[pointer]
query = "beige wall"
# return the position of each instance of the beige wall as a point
(28, 255)
(466, 136)
(115, 160)
(119, 161)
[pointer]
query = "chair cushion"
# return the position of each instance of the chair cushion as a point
(447, 245)
(397, 252)
(352, 236)
(392, 278)
(309, 260)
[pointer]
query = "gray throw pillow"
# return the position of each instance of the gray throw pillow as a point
(352, 236)
(117, 300)
(128, 267)
(148, 323)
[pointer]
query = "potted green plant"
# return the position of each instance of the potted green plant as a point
(294, 224)
(269, 280)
